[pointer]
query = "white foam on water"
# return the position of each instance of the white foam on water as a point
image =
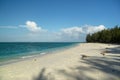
(42, 53)
(26, 57)
(32, 55)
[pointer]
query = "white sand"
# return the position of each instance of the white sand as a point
(68, 65)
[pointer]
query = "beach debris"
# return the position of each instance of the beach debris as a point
(104, 53)
(107, 48)
(84, 56)
(34, 59)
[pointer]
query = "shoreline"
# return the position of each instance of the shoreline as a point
(68, 65)
(31, 56)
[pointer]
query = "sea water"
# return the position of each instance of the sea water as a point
(13, 51)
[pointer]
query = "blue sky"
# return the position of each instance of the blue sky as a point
(55, 20)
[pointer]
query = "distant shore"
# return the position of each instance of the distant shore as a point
(68, 64)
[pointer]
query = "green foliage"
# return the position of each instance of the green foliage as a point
(105, 36)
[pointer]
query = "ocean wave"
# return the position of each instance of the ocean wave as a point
(26, 57)
(42, 53)
(23, 57)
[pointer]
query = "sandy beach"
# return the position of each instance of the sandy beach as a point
(68, 65)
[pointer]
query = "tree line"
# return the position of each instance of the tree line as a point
(105, 36)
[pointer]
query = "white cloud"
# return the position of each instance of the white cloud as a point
(78, 33)
(72, 31)
(71, 34)
(32, 26)
(92, 29)
(83, 29)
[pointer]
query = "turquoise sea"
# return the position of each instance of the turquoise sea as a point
(13, 51)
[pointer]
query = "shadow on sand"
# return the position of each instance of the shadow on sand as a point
(108, 65)
(43, 76)
(115, 50)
